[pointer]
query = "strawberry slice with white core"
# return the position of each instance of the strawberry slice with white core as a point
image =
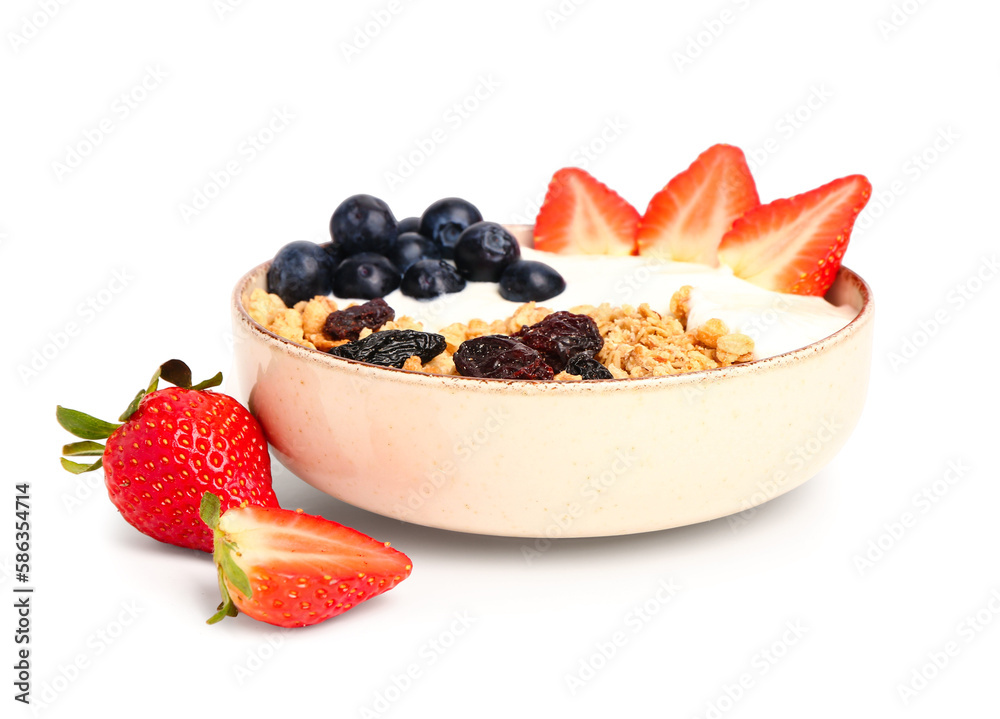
(796, 245)
(685, 221)
(293, 569)
(581, 215)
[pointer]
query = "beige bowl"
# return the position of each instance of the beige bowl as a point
(555, 459)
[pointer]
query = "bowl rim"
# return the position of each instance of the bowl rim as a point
(288, 346)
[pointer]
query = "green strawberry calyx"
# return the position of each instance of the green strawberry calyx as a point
(223, 553)
(90, 428)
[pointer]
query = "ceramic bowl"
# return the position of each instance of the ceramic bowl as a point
(555, 459)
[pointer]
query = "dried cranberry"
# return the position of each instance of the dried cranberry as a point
(587, 368)
(500, 357)
(561, 336)
(347, 324)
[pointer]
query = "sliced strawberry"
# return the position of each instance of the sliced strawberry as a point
(795, 245)
(685, 221)
(293, 569)
(585, 217)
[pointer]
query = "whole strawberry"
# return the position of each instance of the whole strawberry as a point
(171, 446)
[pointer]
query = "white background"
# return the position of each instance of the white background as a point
(889, 84)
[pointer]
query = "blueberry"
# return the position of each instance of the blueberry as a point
(410, 247)
(335, 252)
(408, 224)
(300, 271)
(362, 223)
(430, 278)
(527, 281)
(365, 275)
(484, 250)
(445, 220)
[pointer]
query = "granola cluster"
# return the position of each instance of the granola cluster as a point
(303, 323)
(638, 341)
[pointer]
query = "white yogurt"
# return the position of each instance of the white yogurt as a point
(777, 322)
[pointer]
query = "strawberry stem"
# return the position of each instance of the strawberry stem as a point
(175, 372)
(83, 449)
(228, 570)
(77, 468)
(83, 425)
(210, 510)
(227, 608)
(232, 571)
(210, 382)
(133, 406)
(90, 428)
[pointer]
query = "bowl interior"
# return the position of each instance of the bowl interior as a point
(848, 289)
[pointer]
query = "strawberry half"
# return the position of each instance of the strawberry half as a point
(171, 446)
(685, 221)
(796, 245)
(293, 569)
(583, 216)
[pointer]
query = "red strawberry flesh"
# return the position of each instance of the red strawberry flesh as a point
(685, 221)
(301, 569)
(583, 216)
(796, 245)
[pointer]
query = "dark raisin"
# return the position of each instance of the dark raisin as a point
(392, 348)
(347, 324)
(587, 367)
(500, 357)
(562, 335)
